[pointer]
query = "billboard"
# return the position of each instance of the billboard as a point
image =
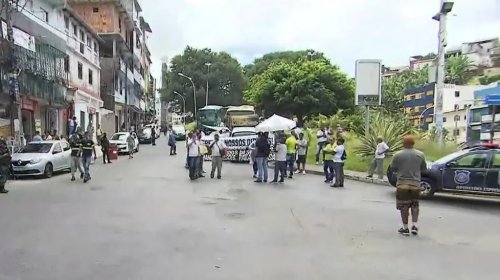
(368, 82)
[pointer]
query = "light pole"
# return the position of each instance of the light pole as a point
(194, 91)
(446, 7)
(208, 64)
(311, 54)
(422, 116)
(184, 101)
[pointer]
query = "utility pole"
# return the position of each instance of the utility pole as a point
(208, 64)
(13, 75)
(441, 17)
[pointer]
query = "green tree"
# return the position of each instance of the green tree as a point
(226, 79)
(458, 70)
(302, 88)
(260, 65)
(486, 80)
(393, 89)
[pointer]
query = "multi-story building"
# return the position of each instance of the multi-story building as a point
(122, 83)
(481, 53)
(419, 105)
(83, 67)
(480, 116)
(40, 51)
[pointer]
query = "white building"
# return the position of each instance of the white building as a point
(82, 65)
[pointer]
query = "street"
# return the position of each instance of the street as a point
(144, 219)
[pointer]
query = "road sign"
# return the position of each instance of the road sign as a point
(368, 82)
(492, 99)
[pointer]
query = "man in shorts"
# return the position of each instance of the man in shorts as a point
(408, 165)
(301, 154)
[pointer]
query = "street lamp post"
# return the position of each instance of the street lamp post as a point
(194, 91)
(208, 64)
(184, 106)
(446, 7)
(311, 54)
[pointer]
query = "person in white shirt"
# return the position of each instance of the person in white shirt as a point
(321, 135)
(218, 149)
(193, 155)
(280, 162)
(378, 161)
(338, 163)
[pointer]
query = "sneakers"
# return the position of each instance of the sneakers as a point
(304, 172)
(414, 230)
(328, 181)
(73, 178)
(404, 231)
(297, 171)
(4, 191)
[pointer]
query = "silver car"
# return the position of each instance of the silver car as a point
(42, 158)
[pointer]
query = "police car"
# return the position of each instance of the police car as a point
(474, 170)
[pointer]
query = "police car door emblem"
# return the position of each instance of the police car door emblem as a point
(462, 177)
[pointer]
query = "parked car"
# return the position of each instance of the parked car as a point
(180, 132)
(120, 140)
(474, 170)
(42, 159)
(156, 128)
(145, 136)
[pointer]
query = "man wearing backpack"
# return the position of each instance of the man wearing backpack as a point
(338, 163)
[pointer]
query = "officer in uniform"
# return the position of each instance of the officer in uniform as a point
(5, 162)
(74, 142)
(88, 147)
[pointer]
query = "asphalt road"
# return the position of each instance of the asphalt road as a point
(143, 219)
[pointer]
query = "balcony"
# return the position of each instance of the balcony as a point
(139, 79)
(130, 75)
(487, 118)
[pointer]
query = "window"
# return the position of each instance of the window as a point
(66, 22)
(95, 46)
(457, 118)
(465, 117)
(457, 107)
(65, 146)
(457, 93)
(89, 42)
(430, 105)
(80, 71)
(82, 36)
(91, 77)
(496, 160)
(476, 160)
(456, 132)
(429, 120)
(412, 97)
(75, 29)
(82, 48)
(430, 92)
(95, 9)
(444, 120)
(57, 148)
(120, 24)
(45, 15)
(66, 64)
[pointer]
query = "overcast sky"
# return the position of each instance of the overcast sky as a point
(346, 30)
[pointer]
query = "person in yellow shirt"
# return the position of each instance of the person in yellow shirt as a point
(328, 153)
(291, 150)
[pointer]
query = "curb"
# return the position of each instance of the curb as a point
(355, 178)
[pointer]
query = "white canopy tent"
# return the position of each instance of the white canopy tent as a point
(275, 123)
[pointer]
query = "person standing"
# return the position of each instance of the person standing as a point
(48, 137)
(203, 151)
(301, 153)
(88, 148)
(280, 163)
(99, 135)
(263, 151)
(5, 165)
(328, 152)
(172, 141)
(153, 135)
(378, 161)
(76, 148)
(105, 148)
(291, 152)
(131, 145)
(37, 137)
(408, 164)
(322, 141)
(253, 162)
(218, 149)
(193, 153)
(338, 163)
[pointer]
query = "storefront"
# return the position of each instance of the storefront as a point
(30, 125)
(86, 111)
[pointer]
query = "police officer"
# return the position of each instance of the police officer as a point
(5, 162)
(88, 147)
(74, 143)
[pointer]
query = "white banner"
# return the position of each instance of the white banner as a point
(237, 147)
(21, 38)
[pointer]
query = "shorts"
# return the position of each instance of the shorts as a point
(301, 159)
(407, 197)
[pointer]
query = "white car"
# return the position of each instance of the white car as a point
(120, 140)
(42, 158)
(243, 131)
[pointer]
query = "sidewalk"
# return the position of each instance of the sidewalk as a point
(351, 175)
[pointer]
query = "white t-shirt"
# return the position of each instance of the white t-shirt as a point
(339, 151)
(381, 148)
(321, 136)
(281, 152)
(218, 148)
(193, 148)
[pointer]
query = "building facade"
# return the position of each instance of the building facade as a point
(480, 116)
